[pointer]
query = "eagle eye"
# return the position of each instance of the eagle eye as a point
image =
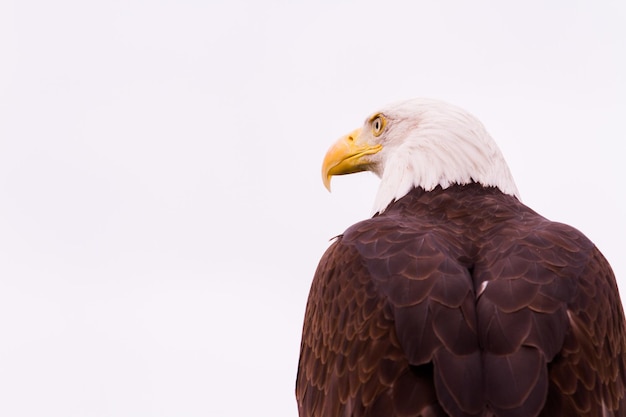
(378, 124)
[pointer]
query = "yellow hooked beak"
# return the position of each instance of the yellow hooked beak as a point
(347, 156)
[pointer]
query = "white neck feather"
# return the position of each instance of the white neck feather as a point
(443, 146)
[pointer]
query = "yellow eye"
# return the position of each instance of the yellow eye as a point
(378, 124)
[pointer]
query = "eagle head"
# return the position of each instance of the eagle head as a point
(419, 143)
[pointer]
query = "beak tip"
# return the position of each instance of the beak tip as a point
(326, 180)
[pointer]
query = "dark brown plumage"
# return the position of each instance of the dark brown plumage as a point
(462, 302)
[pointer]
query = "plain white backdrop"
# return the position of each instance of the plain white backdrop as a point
(161, 206)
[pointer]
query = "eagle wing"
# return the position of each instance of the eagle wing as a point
(587, 376)
(350, 355)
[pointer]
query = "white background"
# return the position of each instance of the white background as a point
(161, 205)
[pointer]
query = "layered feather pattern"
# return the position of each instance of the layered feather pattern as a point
(462, 302)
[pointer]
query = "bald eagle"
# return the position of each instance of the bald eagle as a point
(455, 299)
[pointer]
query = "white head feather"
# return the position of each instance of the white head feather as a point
(427, 143)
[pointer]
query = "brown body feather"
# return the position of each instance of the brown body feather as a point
(462, 302)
